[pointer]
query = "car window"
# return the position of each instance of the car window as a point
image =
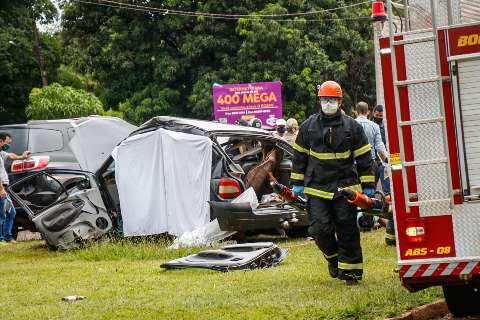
(19, 139)
(41, 191)
(45, 140)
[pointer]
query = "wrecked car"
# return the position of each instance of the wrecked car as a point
(72, 206)
(51, 143)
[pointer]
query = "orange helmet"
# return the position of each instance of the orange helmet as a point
(330, 89)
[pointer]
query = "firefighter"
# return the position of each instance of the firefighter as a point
(332, 152)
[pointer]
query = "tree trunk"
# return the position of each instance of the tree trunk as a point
(39, 52)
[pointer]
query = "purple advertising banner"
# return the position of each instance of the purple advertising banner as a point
(260, 104)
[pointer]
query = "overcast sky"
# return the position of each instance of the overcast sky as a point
(55, 26)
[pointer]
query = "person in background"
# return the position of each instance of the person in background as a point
(378, 151)
(280, 128)
(292, 131)
(380, 175)
(7, 210)
(243, 123)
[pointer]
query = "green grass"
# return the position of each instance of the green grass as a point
(122, 279)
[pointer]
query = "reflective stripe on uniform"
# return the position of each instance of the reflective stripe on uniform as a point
(330, 155)
(330, 256)
(360, 151)
(367, 179)
(350, 266)
(389, 236)
(300, 148)
(297, 176)
(319, 193)
(355, 187)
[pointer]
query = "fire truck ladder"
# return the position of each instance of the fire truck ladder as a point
(441, 119)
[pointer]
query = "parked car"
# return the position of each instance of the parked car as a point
(49, 142)
(72, 206)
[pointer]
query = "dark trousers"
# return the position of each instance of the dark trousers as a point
(380, 175)
(333, 226)
(390, 231)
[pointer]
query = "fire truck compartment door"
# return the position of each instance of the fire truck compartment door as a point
(469, 94)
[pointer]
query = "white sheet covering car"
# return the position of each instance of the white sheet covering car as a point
(163, 180)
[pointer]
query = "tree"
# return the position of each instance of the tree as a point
(19, 68)
(58, 102)
(149, 63)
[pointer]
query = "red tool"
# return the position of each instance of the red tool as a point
(285, 192)
(377, 205)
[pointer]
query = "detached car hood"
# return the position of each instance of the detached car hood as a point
(94, 140)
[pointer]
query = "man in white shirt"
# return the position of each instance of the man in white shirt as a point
(372, 131)
(7, 210)
(374, 136)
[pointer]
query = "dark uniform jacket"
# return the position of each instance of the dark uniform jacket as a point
(331, 153)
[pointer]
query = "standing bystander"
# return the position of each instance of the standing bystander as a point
(292, 131)
(378, 151)
(380, 175)
(280, 128)
(7, 210)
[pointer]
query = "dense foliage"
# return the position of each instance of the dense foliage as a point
(58, 102)
(19, 70)
(149, 63)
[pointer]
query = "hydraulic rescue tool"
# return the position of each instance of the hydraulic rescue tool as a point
(286, 193)
(379, 205)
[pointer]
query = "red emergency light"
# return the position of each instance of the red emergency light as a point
(378, 11)
(415, 230)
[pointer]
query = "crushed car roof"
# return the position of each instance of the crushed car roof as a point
(207, 126)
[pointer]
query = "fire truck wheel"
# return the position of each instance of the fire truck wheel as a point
(462, 300)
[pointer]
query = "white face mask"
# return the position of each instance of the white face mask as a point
(329, 108)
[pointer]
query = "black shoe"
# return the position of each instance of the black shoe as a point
(333, 269)
(390, 242)
(351, 282)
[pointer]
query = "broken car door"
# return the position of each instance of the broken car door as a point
(66, 206)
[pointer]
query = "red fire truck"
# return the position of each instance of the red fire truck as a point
(431, 84)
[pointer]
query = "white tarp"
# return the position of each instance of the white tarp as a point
(163, 181)
(95, 138)
(211, 233)
(205, 235)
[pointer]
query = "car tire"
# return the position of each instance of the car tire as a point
(462, 300)
(297, 232)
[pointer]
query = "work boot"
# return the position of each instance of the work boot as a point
(390, 242)
(350, 277)
(333, 269)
